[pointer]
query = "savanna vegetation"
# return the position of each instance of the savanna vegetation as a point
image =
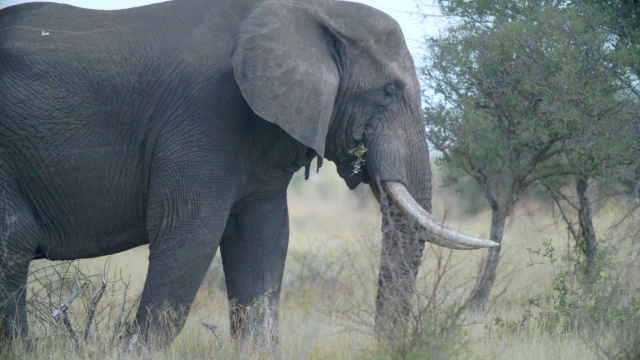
(532, 110)
(541, 307)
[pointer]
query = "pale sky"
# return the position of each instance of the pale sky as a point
(401, 10)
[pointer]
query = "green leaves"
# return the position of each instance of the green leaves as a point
(522, 91)
(358, 152)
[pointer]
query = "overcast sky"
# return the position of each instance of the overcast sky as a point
(401, 10)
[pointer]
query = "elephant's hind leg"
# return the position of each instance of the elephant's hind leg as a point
(17, 247)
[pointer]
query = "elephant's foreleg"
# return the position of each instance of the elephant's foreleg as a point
(175, 274)
(181, 247)
(253, 248)
(186, 216)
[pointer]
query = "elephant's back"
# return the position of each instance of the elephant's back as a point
(32, 26)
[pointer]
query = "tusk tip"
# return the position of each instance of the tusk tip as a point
(489, 243)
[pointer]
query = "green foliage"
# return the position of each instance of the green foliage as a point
(359, 162)
(526, 92)
(622, 19)
(483, 13)
(601, 307)
(530, 96)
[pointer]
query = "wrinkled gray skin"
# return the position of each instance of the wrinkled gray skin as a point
(180, 125)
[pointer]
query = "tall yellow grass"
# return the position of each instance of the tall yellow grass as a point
(330, 275)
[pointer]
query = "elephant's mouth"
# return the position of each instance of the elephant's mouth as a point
(440, 234)
(351, 177)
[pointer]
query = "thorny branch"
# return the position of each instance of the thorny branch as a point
(121, 314)
(62, 309)
(92, 309)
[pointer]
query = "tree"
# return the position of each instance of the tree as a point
(622, 19)
(516, 89)
(608, 151)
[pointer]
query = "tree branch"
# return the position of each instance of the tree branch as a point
(92, 309)
(62, 309)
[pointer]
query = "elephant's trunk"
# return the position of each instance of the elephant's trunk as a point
(400, 258)
(406, 225)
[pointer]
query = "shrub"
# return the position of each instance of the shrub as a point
(602, 308)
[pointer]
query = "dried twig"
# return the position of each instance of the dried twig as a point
(118, 325)
(92, 309)
(62, 309)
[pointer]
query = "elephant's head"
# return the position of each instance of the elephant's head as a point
(338, 76)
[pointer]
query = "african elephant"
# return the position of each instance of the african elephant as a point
(180, 125)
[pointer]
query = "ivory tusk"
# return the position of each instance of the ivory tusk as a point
(442, 234)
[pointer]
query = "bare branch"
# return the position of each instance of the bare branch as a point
(541, 155)
(92, 309)
(555, 195)
(62, 309)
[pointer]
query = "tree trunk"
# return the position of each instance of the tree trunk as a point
(588, 244)
(482, 290)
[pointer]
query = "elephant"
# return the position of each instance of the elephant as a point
(180, 124)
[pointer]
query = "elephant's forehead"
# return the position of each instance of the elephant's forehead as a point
(364, 21)
(366, 14)
(396, 63)
(403, 70)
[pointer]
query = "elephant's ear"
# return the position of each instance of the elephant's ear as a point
(283, 63)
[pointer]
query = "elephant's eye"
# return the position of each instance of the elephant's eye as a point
(386, 96)
(390, 90)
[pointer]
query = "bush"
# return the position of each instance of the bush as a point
(602, 308)
(75, 312)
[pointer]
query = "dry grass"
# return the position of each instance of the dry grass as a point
(331, 274)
